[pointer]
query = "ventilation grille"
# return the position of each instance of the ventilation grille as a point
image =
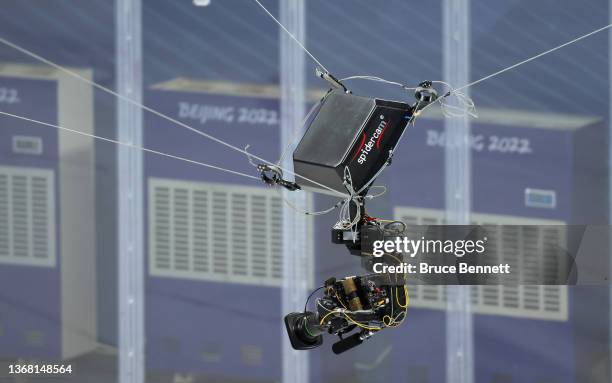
(212, 352)
(34, 338)
(251, 355)
(215, 232)
(27, 216)
(504, 244)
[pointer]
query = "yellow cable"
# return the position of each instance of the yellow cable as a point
(407, 299)
(399, 262)
(360, 325)
(325, 316)
(390, 321)
(340, 300)
(349, 318)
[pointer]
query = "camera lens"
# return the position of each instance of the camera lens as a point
(308, 328)
(303, 330)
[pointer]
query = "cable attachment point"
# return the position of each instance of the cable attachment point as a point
(331, 79)
(273, 175)
(425, 94)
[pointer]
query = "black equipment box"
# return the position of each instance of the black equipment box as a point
(348, 131)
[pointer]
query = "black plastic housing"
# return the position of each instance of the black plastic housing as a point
(347, 343)
(299, 338)
(348, 130)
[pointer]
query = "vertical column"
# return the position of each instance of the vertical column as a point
(130, 192)
(459, 338)
(610, 164)
(295, 256)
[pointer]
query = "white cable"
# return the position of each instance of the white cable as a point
(159, 114)
(458, 90)
(335, 206)
(345, 209)
(291, 35)
(372, 196)
(150, 110)
(306, 212)
(375, 176)
(378, 79)
(534, 57)
(294, 134)
(128, 145)
(465, 105)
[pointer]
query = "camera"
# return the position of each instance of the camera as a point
(354, 309)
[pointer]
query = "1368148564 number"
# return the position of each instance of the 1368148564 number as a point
(40, 369)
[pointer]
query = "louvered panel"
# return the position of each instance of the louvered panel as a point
(536, 246)
(163, 219)
(215, 232)
(5, 229)
(180, 229)
(200, 231)
(19, 213)
(276, 239)
(220, 233)
(240, 235)
(259, 239)
(39, 212)
(27, 216)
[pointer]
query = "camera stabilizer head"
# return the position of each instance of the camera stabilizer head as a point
(366, 304)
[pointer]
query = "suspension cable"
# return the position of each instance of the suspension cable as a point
(126, 144)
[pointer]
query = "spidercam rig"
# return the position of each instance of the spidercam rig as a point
(348, 141)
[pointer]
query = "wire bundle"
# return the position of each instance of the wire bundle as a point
(454, 103)
(462, 106)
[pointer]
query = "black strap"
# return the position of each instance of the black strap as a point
(273, 175)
